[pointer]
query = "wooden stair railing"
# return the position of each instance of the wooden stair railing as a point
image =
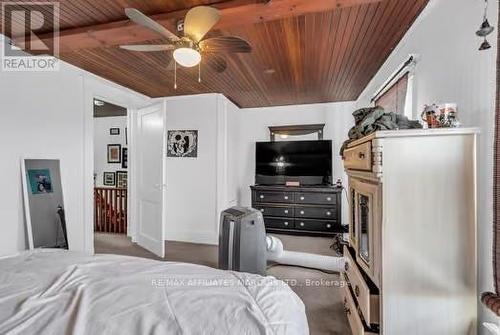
(110, 210)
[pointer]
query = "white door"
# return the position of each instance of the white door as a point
(150, 178)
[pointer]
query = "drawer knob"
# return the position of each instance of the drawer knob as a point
(286, 223)
(302, 224)
(328, 213)
(361, 155)
(261, 196)
(301, 212)
(286, 211)
(328, 226)
(286, 197)
(346, 266)
(356, 290)
(328, 198)
(302, 198)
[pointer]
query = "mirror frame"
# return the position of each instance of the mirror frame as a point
(27, 214)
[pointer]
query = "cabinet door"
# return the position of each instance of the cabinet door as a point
(365, 213)
(353, 237)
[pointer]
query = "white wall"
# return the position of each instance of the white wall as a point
(43, 114)
(253, 126)
(451, 69)
(198, 188)
(102, 138)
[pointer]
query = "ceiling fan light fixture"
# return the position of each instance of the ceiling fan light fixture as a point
(187, 57)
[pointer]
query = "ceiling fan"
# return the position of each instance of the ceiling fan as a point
(189, 49)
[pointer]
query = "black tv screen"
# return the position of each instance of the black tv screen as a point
(306, 162)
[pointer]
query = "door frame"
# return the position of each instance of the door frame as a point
(98, 88)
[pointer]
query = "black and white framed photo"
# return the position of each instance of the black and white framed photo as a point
(109, 179)
(114, 131)
(121, 179)
(182, 143)
(124, 158)
(114, 153)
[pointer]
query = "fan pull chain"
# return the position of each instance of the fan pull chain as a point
(199, 72)
(175, 75)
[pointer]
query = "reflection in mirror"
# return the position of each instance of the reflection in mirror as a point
(303, 132)
(43, 203)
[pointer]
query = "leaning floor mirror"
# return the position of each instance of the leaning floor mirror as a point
(43, 203)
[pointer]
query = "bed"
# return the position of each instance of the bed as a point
(62, 292)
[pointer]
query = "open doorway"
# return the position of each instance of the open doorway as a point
(128, 219)
(110, 171)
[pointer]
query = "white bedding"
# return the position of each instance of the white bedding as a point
(60, 292)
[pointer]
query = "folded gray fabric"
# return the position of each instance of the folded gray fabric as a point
(372, 119)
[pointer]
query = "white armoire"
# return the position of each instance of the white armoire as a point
(411, 258)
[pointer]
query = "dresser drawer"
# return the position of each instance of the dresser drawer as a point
(276, 211)
(279, 197)
(315, 198)
(357, 327)
(368, 302)
(278, 223)
(316, 212)
(315, 225)
(359, 157)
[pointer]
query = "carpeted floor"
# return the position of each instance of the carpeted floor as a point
(319, 291)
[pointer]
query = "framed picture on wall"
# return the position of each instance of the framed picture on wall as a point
(114, 131)
(114, 153)
(109, 179)
(124, 158)
(121, 179)
(182, 143)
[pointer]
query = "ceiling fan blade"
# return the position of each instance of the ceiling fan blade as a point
(143, 20)
(225, 44)
(148, 47)
(199, 21)
(217, 63)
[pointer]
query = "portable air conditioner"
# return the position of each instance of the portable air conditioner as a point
(242, 241)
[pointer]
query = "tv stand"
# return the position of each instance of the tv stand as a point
(300, 210)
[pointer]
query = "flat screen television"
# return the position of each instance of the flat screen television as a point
(306, 162)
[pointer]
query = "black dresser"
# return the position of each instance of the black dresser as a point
(299, 210)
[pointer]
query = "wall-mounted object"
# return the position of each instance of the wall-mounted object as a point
(182, 143)
(485, 29)
(296, 130)
(43, 203)
(114, 153)
(109, 179)
(121, 179)
(114, 131)
(125, 158)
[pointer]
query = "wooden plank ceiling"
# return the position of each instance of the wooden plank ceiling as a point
(302, 53)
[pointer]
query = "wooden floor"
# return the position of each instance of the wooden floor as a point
(323, 303)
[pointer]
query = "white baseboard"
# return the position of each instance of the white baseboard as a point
(194, 237)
